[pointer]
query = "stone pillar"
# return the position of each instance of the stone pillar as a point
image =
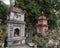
(23, 30)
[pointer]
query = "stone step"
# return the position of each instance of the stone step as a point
(19, 46)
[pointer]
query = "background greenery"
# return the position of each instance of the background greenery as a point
(34, 8)
(51, 9)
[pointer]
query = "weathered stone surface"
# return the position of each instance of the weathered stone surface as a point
(16, 38)
(25, 46)
(16, 28)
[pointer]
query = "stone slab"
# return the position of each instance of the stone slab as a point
(26, 46)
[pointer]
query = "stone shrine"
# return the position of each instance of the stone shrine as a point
(42, 24)
(15, 25)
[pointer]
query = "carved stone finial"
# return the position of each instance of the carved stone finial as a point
(12, 3)
(16, 3)
(42, 13)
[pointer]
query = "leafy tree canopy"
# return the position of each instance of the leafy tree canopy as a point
(3, 12)
(35, 7)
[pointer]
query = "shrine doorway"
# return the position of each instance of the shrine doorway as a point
(16, 32)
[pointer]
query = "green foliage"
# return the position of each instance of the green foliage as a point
(1, 41)
(2, 31)
(32, 9)
(3, 12)
(44, 40)
(35, 7)
(34, 38)
(2, 34)
(55, 36)
(42, 43)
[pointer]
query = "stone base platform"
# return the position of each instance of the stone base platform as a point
(25, 46)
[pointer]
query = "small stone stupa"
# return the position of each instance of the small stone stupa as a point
(15, 25)
(42, 24)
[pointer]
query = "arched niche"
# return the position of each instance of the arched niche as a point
(16, 32)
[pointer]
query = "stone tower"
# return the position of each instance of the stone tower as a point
(16, 25)
(42, 25)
